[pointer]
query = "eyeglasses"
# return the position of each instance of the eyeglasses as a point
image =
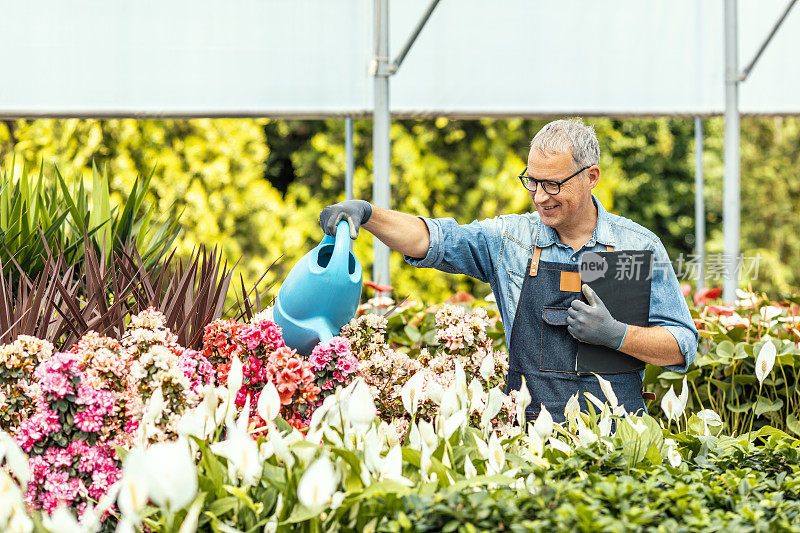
(550, 186)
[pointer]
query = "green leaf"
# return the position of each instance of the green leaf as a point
(223, 506)
(412, 332)
(725, 349)
(765, 405)
(742, 408)
(793, 424)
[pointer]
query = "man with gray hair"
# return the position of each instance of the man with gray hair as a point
(527, 258)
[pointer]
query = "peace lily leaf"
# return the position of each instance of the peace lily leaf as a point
(765, 405)
(725, 349)
(742, 408)
(793, 424)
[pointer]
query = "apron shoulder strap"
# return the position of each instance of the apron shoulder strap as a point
(537, 252)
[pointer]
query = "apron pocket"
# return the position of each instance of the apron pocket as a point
(558, 347)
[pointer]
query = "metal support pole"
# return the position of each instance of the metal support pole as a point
(730, 197)
(699, 204)
(349, 164)
(413, 37)
(749, 68)
(381, 141)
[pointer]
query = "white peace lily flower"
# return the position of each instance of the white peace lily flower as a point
(318, 484)
(133, 494)
(361, 407)
(674, 457)
(605, 426)
(745, 299)
(671, 405)
(387, 434)
(172, 474)
(486, 369)
(523, 400)
(483, 448)
(425, 462)
(427, 434)
(189, 524)
(154, 408)
(469, 469)
(392, 467)
(62, 521)
(765, 360)
(596, 401)
(461, 379)
(573, 407)
(684, 398)
(269, 402)
(457, 420)
(709, 418)
(493, 406)
(769, 312)
(235, 377)
(434, 391)
(15, 458)
(320, 413)
(242, 453)
(543, 426)
(497, 456)
(337, 499)
(280, 446)
(559, 445)
(372, 451)
(244, 417)
(477, 396)
(197, 422)
(586, 436)
(450, 402)
(608, 391)
(412, 394)
(637, 425)
(414, 438)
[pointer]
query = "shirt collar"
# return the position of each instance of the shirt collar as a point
(602, 231)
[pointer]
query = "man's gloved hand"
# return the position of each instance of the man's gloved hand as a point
(356, 212)
(593, 323)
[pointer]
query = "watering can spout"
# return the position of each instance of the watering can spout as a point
(320, 294)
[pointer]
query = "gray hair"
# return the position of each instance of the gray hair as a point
(562, 136)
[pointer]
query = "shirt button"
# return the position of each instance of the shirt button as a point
(572, 259)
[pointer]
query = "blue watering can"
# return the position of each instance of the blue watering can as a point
(320, 294)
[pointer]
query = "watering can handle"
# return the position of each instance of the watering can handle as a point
(341, 249)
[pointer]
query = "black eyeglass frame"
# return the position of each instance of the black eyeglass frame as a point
(545, 183)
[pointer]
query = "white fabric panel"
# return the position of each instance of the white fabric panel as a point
(185, 56)
(311, 57)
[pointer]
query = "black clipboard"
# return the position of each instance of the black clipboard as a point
(622, 281)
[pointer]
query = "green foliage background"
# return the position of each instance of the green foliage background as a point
(254, 187)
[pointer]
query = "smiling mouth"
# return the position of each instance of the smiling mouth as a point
(547, 209)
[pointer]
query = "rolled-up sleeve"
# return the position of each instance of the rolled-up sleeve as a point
(469, 249)
(668, 308)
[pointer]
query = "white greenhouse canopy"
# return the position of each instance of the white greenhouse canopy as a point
(470, 58)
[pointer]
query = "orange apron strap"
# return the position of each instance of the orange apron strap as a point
(537, 252)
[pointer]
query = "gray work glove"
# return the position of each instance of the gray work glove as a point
(356, 212)
(593, 324)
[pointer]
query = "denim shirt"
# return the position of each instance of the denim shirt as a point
(496, 251)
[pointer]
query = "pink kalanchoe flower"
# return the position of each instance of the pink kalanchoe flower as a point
(264, 334)
(347, 364)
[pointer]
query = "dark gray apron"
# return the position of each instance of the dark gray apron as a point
(545, 353)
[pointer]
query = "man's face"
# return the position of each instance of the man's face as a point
(570, 204)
